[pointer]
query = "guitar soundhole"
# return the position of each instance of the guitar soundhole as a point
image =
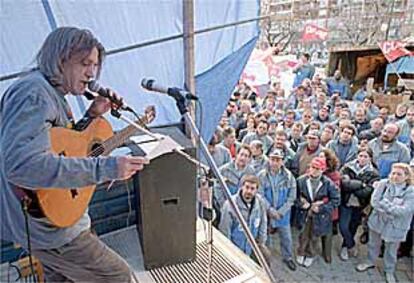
(74, 193)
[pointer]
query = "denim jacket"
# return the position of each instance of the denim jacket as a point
(279, 193)
(256, 219)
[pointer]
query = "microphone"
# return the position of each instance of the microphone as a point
(175, 92)
(93, 86)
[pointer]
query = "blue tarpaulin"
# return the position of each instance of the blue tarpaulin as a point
(402, 65)
(26, 23)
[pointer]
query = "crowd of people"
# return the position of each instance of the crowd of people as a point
(322, 162)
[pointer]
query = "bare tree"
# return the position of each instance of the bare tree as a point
(279, 33)
(361, 25)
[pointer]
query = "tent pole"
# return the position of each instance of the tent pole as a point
(188, 43)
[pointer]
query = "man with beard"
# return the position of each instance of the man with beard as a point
(253, 210)
(338, 84)
(406, 125)
(233, 172)
(260, 135)
(387, 150)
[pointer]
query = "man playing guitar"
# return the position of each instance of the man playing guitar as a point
(29, 109)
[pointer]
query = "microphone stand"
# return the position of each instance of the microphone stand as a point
(180, 101)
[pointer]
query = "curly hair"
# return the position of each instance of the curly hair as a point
(332, 160)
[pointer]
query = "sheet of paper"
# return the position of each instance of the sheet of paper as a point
(153, 148)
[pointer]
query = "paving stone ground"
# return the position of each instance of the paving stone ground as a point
(338, 271)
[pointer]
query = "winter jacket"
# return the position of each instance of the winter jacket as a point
(279, 193)
(384, 158)
(232, 176)
(326, 192)
(392, 211)
(358, 183)
(256, 219)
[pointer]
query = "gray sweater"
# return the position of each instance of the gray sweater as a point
(28, 109)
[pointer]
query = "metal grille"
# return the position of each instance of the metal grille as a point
(222, 268)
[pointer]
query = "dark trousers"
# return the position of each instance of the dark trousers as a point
(349, 220)
(308, 243)
(85, 259)
(327, 247)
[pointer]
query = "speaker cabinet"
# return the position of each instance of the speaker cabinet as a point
(166, 210)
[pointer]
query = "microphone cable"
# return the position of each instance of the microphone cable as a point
(25, 207)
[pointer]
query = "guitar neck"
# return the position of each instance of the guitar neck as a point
(118, 139)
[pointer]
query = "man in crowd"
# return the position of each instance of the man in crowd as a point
(387, 150)
(233, 172)
(278, 187)
(360, 121)
(260, 135)
(305, 153)
(345, 146)
(339, 85)
(303, 70)
(230, 142)
(375, 131)
(259, 159)
(253, 210)
(327, 134)
(406, 125)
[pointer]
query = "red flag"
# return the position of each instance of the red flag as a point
(394, 49)
(312, 32)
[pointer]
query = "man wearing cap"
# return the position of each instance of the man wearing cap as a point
(317, 198)
(253, 210)
(280, 142)
(305, 153)
(233, 173)
(345, 146)
(278, 187)
(259, 160)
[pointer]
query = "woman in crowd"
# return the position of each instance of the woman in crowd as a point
(393, 207)
(358, 177)
(332, 173)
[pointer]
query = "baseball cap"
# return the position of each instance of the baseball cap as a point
(319, 162)
(277, 153)
(314, 133)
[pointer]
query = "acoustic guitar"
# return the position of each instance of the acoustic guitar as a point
(62, 206)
